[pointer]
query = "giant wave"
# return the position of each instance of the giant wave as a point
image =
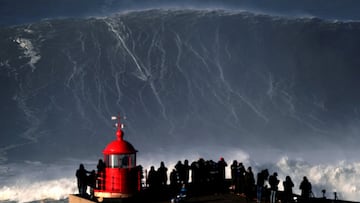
(187, 81)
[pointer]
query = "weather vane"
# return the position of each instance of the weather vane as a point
(118, 125)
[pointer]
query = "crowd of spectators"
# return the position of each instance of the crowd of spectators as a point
(208, 177)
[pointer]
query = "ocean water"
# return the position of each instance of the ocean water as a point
(277, 92)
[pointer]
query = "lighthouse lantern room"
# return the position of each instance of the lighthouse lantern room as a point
(121, 176)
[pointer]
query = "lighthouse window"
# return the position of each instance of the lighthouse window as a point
(120, 161)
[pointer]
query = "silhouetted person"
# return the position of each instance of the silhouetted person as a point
(202, 173)
(273, 182)
(183, 191)
(323, 193)
(181, 172)
(173, 180)
(213, 178)
(288, 193)
(151, 181)
(100, 166)
(162, 172)
(186, 170)
(91, 182)
(101, 174)
(221, 165)
(240, 179)
(141, 174)
(194, 172)
(81, 175)
(181, 195)
(233, 168)
(305, 187)
(249, 183)
(261, 177)
(197, 171)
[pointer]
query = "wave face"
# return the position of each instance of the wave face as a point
(187, 81)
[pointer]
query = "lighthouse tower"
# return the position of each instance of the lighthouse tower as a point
(121, 177)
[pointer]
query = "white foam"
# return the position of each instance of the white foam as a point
(32, 180)
(29, 51)
(342, 177)
(25, 191)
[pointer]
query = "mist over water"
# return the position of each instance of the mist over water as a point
(270, 91)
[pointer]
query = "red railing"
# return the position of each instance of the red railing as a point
(119, 180)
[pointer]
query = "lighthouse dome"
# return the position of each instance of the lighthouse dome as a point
(119, 146)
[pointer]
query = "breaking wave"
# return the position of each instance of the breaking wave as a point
(342, 177)
(34, 181)
(41, 182)
(25, 191)
(207, 82)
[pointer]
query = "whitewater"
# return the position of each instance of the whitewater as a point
(38, 182)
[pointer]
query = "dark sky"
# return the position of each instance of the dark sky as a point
(21, 11)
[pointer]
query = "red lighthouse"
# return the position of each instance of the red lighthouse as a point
(121, 177)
